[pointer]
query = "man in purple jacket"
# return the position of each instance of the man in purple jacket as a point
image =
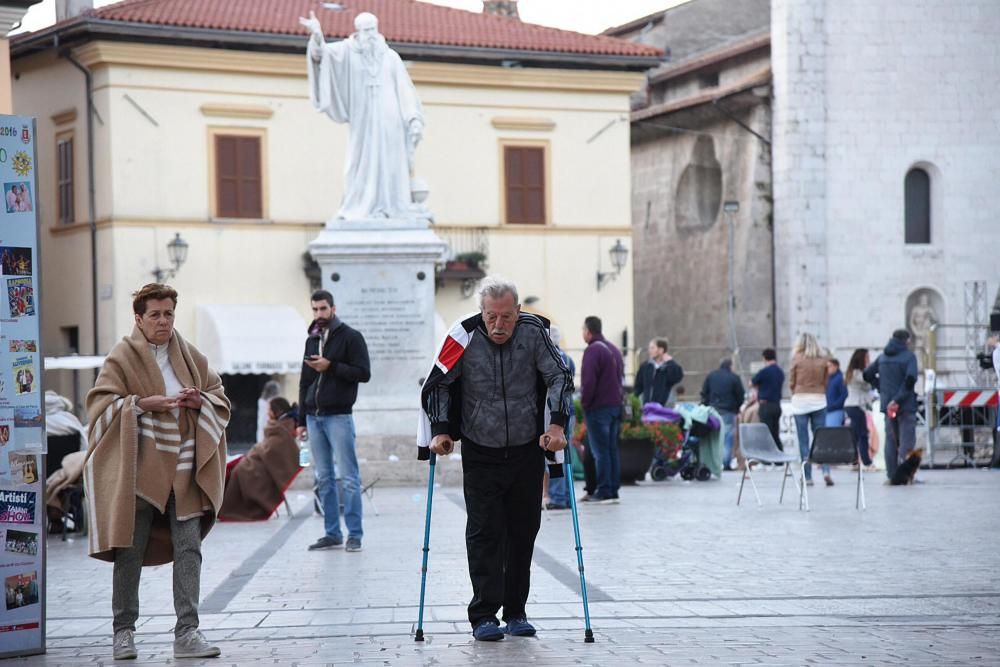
(601, 379)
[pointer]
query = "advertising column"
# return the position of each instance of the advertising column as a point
(22, 436)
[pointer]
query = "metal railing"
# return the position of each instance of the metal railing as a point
(463, 240)
(961, 401)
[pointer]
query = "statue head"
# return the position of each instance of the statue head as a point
(366, 25)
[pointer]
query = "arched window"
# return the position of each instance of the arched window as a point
(917, 203)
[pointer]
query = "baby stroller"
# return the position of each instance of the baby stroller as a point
(668, 462)
(688, 464)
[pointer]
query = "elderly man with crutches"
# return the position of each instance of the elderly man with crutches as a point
(494, 377)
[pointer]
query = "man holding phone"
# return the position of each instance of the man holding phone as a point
(336, 360)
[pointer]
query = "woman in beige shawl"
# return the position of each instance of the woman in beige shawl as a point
(154, 470)
(257, 482)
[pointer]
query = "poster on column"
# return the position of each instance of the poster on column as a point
(22, 429)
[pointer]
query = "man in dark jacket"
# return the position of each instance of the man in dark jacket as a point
(723, 390)
(658, 375)
(601, 393)
(768, 382)
(894, 373)
(508, 371)
(336, 360)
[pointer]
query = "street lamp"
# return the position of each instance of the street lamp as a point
(177, 252)
(619, 255)
(731, 208)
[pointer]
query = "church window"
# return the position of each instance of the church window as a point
(917, 206)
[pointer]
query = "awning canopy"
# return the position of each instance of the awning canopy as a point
(73, 363)
(242, 339)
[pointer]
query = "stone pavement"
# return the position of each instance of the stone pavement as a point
(677, 575)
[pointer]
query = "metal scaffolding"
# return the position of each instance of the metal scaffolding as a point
(976, 320)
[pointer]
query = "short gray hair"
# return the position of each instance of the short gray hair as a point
(554, 335)
(496, 288)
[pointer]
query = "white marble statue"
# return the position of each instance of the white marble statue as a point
(361, 81)
(922, 318)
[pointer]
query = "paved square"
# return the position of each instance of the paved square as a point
(677, 575)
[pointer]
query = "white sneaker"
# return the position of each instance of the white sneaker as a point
(192, 644)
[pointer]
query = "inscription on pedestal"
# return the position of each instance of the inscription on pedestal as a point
(392, 322)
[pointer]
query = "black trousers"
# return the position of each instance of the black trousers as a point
(770, 414)
(503, 489)
(589, 469)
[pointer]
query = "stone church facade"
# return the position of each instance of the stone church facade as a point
(860, 141)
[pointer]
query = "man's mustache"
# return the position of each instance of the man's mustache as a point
(498, 332)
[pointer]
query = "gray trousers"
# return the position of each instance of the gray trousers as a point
(896, 452)
(186, 538)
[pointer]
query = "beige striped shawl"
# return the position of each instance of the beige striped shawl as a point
(152, 454)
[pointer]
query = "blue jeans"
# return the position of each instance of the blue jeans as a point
(331, 440)
(815, 419)
(603, 425)
(729, 422)
(859, 429)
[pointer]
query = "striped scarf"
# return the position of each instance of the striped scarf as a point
(153, 454)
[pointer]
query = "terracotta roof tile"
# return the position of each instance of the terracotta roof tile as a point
(401, 21)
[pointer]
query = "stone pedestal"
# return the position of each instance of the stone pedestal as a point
(381, 275)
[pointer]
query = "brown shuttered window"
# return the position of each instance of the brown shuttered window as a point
(64, 180)
(238, 177)
(524, 182)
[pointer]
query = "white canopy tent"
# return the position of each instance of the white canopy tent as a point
(251, 339)
(73, 363)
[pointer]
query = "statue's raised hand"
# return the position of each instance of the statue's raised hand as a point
(312, 25)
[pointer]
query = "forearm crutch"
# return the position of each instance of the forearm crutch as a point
(419, 637)
(588, 635)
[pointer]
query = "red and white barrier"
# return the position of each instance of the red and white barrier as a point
(971, 398)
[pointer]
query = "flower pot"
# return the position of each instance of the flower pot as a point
(636, 456)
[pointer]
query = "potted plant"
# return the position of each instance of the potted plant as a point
(635, 443)
(471, 259)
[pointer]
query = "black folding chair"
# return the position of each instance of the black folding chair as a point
(71, 498)
(757, 444)
(834, 445)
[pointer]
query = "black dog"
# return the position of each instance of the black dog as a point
(907, 469)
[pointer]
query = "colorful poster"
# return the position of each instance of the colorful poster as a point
(22, 434)
(22, 590)
(17, 196)
(15, 261)
(21, 297)
(25, 378)
(27, 417)
(23, 468)
(21, 542)
(6, 431)
(17, 506)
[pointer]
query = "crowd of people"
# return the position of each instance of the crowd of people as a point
(821, 395)
(162, 385)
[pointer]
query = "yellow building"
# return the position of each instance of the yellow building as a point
(201, 127)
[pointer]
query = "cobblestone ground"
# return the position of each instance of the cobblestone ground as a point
(677, 575)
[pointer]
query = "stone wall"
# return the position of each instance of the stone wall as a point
(679, 181)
